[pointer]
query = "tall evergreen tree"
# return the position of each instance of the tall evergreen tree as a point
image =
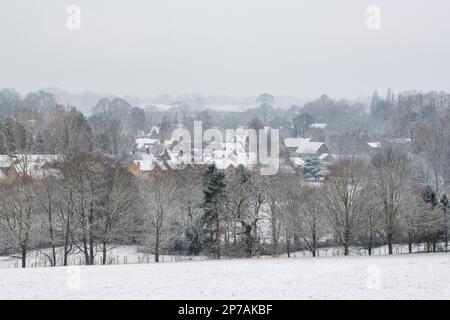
(432, 229)
(429, 196)
(213, 200)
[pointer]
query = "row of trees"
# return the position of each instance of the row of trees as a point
(88, 203)
(361, 203)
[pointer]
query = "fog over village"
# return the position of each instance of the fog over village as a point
(275, 151)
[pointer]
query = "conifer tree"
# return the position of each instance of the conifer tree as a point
(213, 200)
(312, 169)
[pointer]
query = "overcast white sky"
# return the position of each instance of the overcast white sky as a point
(238, 47)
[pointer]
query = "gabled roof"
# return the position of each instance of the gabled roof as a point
(304, 146)
(325, 156)
(153, 130)
(142, 142)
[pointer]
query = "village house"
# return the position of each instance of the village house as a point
(34, 166)
(301, 149)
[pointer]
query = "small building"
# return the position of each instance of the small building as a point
(305, 147)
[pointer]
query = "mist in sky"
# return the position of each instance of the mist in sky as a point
(238, 47)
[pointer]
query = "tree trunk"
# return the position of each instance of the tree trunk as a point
(86, 252)
(157, 247)
(314, 242)
(288, 248)
(346, 243)
(346, 249)
(274, 246)
(446, 240)
(248, 241)
(91, 234)
(104, 254)
(255, 240)
(24, 256)
(67, 229)
(227, 237)
(91, 251)
(50, 223)
(445, 230)
(217, 240)
(389, 243)
(66, 246)
(288, 245)
(66, 254)
(274, 234)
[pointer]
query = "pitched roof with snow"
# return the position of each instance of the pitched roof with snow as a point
(304, 146)
(326, 156)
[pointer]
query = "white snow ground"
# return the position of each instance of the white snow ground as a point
(415, 276)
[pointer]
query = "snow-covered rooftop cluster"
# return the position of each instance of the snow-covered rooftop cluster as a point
(152, 152)
(29, 164)
(319, 125)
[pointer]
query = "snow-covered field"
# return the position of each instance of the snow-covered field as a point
(415, 276)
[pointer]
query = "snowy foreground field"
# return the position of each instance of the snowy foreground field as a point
(416, 276)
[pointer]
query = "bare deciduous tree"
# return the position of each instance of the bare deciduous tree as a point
(391, 175)
(344, 199)
(159, 197)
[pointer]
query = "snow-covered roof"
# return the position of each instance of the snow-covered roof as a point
(324, 156)
(168, 142)
(147, 162)
(142, 142)
(148, 165)
(319, 125)
(32, 165)
(304, 146)
(43, 157)
(153, 130)
(5, 161)
(374, 145)
(400, 140)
